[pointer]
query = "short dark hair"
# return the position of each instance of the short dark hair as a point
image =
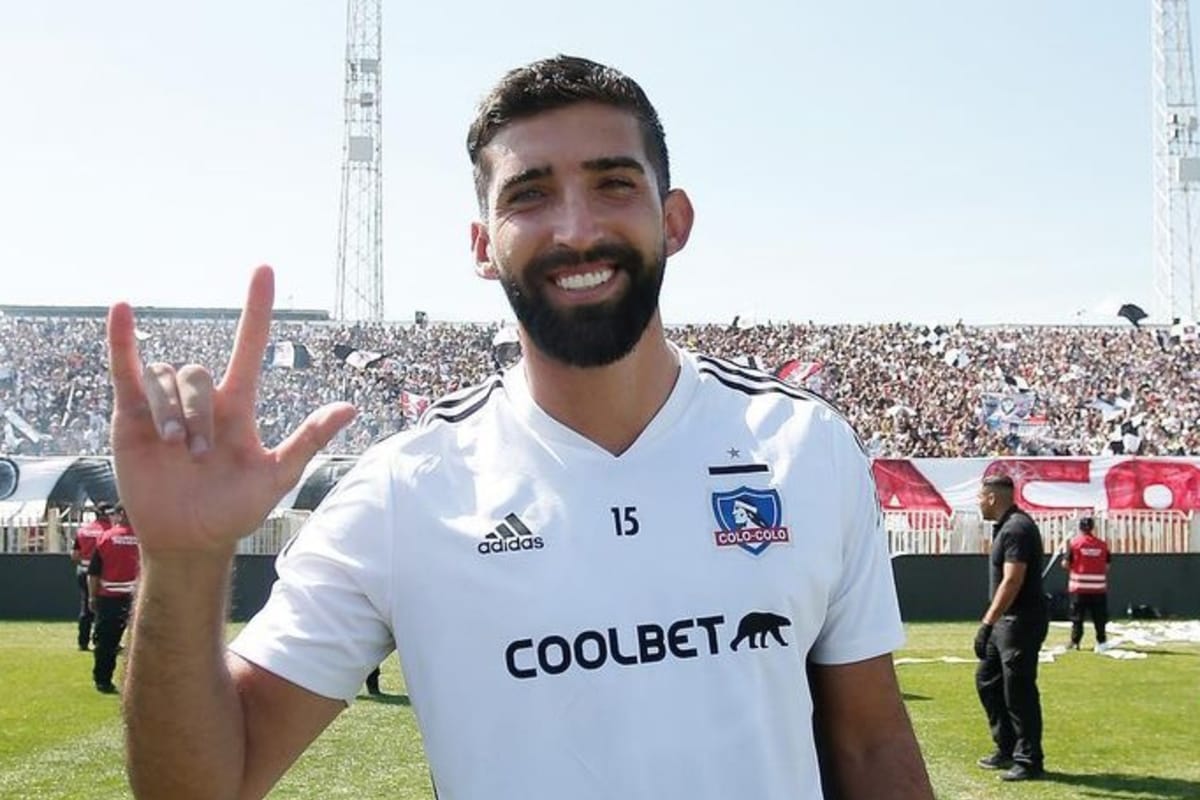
(999, 481)
(554, 83)
(1086, 523)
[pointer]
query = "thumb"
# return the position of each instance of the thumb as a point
(306, 441)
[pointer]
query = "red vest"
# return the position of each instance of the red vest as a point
(86, 538)
(1089, 565)
(119, 562)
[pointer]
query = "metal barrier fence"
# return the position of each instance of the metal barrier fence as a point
(909, 532)
(1148, 531)
(35, 535)
(928, 533)
(273, 534)
(1151, 532)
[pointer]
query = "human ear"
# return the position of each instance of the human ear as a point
(678, 216)
(481, 249)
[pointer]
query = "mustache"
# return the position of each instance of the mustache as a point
(622, 256)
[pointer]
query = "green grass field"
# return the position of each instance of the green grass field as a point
(59, 738)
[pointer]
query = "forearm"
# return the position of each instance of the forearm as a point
(93, 584)
(184, 722)
(1006, 592)
(887, 765)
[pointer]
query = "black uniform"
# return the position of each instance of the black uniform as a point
(1006, 678)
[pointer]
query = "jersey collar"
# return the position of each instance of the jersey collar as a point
(558, 435)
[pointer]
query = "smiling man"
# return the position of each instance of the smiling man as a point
(577, 235)
(559, 556)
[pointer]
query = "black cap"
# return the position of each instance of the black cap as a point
(1086, 523)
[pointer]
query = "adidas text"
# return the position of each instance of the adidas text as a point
(489, 546)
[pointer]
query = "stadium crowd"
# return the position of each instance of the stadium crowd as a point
(909, 390)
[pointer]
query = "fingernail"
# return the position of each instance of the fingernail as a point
(171, 429)
(198, 445)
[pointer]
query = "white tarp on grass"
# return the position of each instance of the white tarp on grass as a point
(1126, 641)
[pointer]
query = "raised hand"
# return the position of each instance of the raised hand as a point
(191, 470)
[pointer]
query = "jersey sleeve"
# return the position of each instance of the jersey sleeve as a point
(863, 618)
(326, 624)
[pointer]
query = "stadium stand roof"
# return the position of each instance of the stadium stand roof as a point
(161, 312)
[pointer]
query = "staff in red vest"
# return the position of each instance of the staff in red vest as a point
(86, 537)
(1086, 559)
(112, 580)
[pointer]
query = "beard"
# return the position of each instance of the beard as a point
(592, 335)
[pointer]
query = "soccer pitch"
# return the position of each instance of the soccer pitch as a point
(1114, 728)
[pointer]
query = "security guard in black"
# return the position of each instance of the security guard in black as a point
(1011, 635)
(1016, 538)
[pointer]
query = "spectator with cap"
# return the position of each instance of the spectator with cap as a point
(1086, 560)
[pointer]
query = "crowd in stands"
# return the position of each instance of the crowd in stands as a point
(910, 391)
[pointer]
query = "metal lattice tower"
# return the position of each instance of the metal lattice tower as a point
(1176, 161)
(360, 216)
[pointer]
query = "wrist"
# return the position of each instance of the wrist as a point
(197, 574)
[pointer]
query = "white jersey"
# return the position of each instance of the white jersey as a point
(572, 623)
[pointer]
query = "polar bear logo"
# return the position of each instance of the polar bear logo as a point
(756, 626)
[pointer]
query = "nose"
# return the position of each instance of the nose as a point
(577, 224)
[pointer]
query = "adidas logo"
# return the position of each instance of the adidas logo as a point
(509, 537)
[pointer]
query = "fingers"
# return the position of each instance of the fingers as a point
(181, 404)
(125, 367)
(165, 407)
(240, 383)
(195, 385)
(306, 441)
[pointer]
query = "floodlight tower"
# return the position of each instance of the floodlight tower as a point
(1176, 161)
(360, 216)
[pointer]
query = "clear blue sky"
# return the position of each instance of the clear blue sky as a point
(870, 161)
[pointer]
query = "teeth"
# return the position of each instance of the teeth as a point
(586, 280)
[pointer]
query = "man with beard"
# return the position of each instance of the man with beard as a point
(554, 554)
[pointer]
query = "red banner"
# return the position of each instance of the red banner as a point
(1042, 484)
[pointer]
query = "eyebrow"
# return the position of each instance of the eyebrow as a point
(603, 164)
(614, 162)
(524, 176)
